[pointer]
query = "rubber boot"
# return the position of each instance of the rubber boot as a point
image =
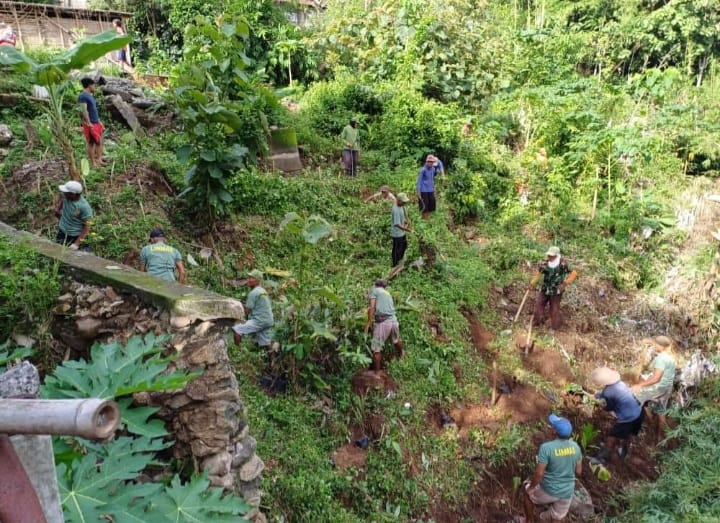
(376, 361)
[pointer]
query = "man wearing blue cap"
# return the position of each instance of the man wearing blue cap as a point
(553, 483)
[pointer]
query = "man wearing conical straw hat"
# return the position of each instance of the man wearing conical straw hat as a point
(619, 400)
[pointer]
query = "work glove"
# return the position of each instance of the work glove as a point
(74, 247)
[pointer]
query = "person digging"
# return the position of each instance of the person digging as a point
(556, 276)
(655, 391)
(629, 415)
(381, 314)
(553, 484)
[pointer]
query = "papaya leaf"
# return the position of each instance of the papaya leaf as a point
(136, 420)
(193, 502)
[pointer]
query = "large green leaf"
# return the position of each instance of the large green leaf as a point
(136, 420)
(193, 502)
(115, 370)
(90, 49)
(14, 58)
(316, 229)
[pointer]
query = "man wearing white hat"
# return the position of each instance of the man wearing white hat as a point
(75, 215)
(556, 276)
(619, 400)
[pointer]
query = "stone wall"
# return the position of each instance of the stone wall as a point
(207, 418)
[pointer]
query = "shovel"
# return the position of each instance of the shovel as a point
(522, 304)
(529, 342)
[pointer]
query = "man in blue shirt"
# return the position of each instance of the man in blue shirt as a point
(91, 125)
(426, 186)
(620, 400)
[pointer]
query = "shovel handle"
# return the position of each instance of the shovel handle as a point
(522, 304)
(529, 335)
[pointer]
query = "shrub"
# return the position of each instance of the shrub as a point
(24, 274)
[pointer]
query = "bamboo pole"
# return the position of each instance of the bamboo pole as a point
(90, 418)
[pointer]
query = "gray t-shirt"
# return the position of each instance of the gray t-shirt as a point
(160, 260)
(384, 304)
(560, 457)
(260, 307)
(74, 216)
(398, 218)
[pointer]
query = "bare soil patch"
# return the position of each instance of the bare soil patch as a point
(349, 456)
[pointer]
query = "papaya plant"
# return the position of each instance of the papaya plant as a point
(54, 76)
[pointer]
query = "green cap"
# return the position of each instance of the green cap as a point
(255, 273)
(553, 251)
(403, 197)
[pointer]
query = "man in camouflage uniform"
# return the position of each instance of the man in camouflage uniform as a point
(556, 275)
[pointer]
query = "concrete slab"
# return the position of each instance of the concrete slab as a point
(191, 303)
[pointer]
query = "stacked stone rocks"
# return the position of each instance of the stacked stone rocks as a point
(207, 417)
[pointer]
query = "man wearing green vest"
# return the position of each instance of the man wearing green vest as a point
(351, 147)
(161, 260)
(553, 484)
(75, 215)
(381, 313)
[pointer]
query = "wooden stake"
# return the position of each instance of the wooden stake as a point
(493, 398)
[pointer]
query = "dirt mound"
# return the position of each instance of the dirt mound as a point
(366, 380)
(551, 365)
(349, 456)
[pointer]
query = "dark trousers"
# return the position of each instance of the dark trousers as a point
(64, 239)
(398, 249)
(554, 301)
(350, 159)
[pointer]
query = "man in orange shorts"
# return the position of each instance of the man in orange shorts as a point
(91, 125)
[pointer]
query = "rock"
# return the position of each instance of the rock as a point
(243, 451)
(110, 294)
(126, 112)
(95, 296)
(252, 495)
(178, 401)
(145, 103)
(23, 341)
(226, 482)
(88, 328)
(6, 135)
(203, 328)
(252, 469)
(180, 322)
(218, 464)
(66, 297)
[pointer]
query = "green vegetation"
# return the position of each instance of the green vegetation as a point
(99, 480)
(589, 122)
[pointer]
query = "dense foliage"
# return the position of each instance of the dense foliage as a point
(569, 123)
